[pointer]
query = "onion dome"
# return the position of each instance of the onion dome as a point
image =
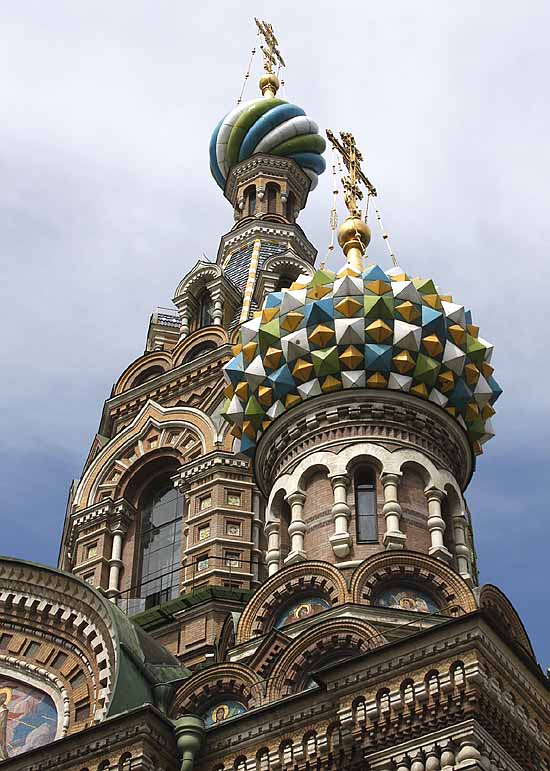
(352, 329)
(271, 126)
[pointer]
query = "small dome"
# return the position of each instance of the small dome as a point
(271, 126)
(375, 330)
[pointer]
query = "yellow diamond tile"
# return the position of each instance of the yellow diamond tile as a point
(377, 380)
(471, 373)
(352, 357)
(292, 399)
(268, 314)
(472, 411)
(409, 311)
(241, 389)
(378, 287)
(457, 334)
(487, 411)
(420, 390)
(272, 358)
(291, 321)
(228, 391)
(445, 381)
(379, 331)
(330, 383)
(302, 370)
(249, 351)
(432, 345)
(265, 396)
(486, 369)
(249, 430)
(321, 335)
(236, 349)
(403, 362)
(348, 306)
(318, 292)
(433, 300)
(472, 330)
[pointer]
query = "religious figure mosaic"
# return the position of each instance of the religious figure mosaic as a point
(28, 718)
(220, 712)
(303, 608)
(407, 598)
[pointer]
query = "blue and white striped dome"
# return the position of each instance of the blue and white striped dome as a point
(271, 126)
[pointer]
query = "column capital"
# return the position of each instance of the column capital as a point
(390, 477)
(297, 497)
(340, 479)
(434, 494)
(272, 526)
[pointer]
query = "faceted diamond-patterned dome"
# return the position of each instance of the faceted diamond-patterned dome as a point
(375, 330)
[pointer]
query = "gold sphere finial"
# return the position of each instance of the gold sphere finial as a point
(354, 237)
(269, 84)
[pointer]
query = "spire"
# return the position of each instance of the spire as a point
(269, 82)
(353, 234)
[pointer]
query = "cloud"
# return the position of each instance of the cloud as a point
(107, 201)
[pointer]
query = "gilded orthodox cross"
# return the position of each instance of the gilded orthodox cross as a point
(270, 49)
(352, 157)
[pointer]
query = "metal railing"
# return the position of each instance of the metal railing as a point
(158, 589)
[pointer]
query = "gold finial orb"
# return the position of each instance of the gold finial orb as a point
(353, 233)
(269, 84)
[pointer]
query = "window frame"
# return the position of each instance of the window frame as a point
(366, 518)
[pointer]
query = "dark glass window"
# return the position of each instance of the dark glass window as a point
(161, 522)
(205, 315)
(365, 506)
(271, 199)
(251, 195)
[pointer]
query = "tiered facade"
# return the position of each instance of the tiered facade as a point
(268, 561)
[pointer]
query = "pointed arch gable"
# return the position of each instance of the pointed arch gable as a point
(173, 426)
(503, 612)
(149, 361)
(311, 576)
(412, 566)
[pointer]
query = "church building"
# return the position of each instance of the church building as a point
(268, 562)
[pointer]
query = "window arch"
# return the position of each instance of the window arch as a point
(125, 762)
(205, 310)
(284, 282)
(366, 518)
(148, 374)
(198, 350)
(272, 194)
(161, 517)
(250, 200)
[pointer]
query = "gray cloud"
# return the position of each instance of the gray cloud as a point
(106, 198)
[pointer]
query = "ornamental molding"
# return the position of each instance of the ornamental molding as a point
(216, 461)
(262, 164)
(333, 420)
(242, 234)
(45, 681)
(56, 599)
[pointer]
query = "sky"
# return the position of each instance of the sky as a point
(106, 201)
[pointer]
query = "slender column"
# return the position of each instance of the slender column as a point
(447, 757)
(463, 554)
(341, 513)
(185, 325)
(297, 528)
(393, 537)
(217, 310)
(432, 759)
(273, 549)
(256, 525)
(436, 525)
(115, 563)
(418, 762)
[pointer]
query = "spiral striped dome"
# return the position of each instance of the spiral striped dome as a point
(271, 126)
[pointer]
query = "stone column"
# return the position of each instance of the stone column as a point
(256, 525)
(436, 525)
(217, 309)
(447, 757)
(463, 554)
(468, 755)
(115, 562)
(432, 759)
(393, 537)
(273, 550)
(185, 327)
(341, 513)
(297, 528)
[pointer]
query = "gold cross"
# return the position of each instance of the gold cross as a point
(352, 157)
(272, 55)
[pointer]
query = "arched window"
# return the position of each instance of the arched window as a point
(125, 762)
(161, 508)
(284, 282)
(272, 191)
(198, 350)
(250, 200)
(147, 374)
(290, 206)
(240, 764)
(262, 760)
(365, 505)
(287, 754)
(205, 310)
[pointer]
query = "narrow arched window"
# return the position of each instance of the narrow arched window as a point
(205, 310)
(290, 206)
(250, 198)
(365, 505)
(161, 509)
(272, 199)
